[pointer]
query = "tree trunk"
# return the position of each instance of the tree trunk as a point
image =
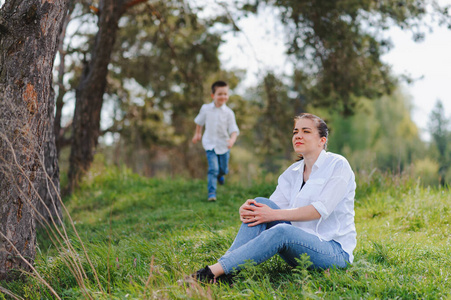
(60, 139)
(29, 32)
(49, 189)
(49, 186)
(89, 94)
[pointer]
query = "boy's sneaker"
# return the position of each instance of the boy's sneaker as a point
(221, 180)
(211, 198)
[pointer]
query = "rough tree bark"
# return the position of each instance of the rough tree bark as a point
(49, 189)
(48, 186)
(89, 93)
(29, 32)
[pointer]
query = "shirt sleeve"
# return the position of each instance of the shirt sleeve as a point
(233, 127)
(334, 190)
(201, 117)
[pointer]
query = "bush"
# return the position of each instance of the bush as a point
(426, 170)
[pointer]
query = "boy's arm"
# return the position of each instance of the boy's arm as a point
(233, 128)
(232, 140)
(197, 134)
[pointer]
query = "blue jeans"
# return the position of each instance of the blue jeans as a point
(218, 165)
(261, 242)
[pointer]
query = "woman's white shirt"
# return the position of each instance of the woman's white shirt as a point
(331, 190)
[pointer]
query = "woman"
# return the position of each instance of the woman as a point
(311, 211)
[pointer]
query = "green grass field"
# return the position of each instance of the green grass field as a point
(142, 235)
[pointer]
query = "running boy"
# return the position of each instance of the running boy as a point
(221, 132)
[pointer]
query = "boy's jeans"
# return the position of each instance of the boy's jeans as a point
(261, 242)
(218, 165)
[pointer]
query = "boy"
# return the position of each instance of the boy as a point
(221, 132)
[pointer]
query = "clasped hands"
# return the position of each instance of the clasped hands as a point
(255, 214)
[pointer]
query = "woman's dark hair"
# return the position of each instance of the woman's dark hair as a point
(320, 125)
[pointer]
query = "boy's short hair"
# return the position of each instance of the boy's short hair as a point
(216, 84)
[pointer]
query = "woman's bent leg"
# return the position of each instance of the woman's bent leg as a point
(323, 254)
(246, 233)
(290, 242)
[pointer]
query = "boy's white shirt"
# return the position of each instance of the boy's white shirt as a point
(331, 190)
(219, 124)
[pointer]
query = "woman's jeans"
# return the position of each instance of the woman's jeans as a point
(218, 165)
(261, 242)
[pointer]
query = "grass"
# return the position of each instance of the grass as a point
(143, 235)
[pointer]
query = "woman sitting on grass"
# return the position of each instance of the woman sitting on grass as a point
(311, 211)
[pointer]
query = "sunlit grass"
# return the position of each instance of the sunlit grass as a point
(144, 235)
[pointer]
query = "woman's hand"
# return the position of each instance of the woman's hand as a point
(245, 209)
(256, 214)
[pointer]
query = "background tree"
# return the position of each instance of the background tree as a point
(163, 50)
(166, 55)
(336, 46)
(380, 135)
(29, 33)
(274, 123)
(441, 138)
(91, 88)
(61, 139)
(163, 60)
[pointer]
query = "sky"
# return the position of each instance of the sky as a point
(260, 47)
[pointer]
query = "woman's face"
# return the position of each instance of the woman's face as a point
(306, 139)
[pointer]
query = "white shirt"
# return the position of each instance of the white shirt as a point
(331, 190)
(219, 124)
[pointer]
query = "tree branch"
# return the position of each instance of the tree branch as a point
(133, 3)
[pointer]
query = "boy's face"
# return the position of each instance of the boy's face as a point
(221, 95)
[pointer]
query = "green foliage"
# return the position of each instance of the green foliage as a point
(380, 135)
(144, 235)
(337, 45)
(427, 170)
(302, 268)
(274, 123)
(441, 134)
(164, 56)
(164, 60)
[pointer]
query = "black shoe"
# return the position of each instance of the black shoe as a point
(221, 180)
(204, 275)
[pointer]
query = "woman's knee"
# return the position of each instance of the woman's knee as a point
(267, 201)
(280, 230)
